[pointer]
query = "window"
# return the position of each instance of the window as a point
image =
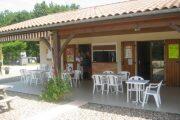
(104, 53)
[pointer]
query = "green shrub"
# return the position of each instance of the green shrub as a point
(55, 89)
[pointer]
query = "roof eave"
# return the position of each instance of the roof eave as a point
(58, 25)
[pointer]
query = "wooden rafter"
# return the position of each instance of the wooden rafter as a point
(31, 36)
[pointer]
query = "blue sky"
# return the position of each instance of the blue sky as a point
(17, 5)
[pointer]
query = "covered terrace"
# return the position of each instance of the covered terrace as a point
(117, 24)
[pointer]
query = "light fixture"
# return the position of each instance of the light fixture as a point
(137, 28)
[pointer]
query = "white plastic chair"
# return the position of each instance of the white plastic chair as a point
(98, 81)
(25, 76)
(49, 74)
(67, 76)
(76, 78)
(136, 78)
(114, 82)
(120, 84)
(134, 88)
(154, 90)
(35, 78)
(124, 75)
(44, 67)
(81, 69)
(108, 72)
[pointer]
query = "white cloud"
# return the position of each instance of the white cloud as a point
(17, 5)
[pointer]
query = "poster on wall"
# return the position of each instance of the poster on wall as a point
(70, 55)
(128, 52)
(130, 61)
(173, 50)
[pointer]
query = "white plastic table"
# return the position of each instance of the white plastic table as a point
(139, 84)
(39, 74)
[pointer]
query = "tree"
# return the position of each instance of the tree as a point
(32, 52)
(40, 9)
(12, 50)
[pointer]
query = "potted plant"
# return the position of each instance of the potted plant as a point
(6, 70)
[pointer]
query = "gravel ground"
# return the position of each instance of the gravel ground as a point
(24, 106)
(103, 112)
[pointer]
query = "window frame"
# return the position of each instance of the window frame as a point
(103, 44)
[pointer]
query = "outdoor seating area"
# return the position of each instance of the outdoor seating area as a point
(136, 86)
(168, 100)
(112, 60)
(138, 90)
(38, 76)
(73, 77)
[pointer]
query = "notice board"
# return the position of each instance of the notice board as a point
(173, 51)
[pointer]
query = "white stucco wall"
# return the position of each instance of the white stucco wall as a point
(117, 39)
(43, 54)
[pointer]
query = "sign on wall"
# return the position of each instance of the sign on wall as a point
(128, 52)
(173, 50)
(70, 55)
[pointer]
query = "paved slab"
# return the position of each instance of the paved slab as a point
(56, 112)
(21, 87)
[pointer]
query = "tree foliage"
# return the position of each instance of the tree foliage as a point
(40, 9)
(12, 51)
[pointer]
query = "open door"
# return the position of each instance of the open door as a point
(128, 57)
(85, 53)
(172, 63)
(144, 60)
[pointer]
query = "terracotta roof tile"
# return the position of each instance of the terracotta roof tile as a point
(127, 7)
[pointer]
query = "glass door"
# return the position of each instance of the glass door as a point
(157, 61)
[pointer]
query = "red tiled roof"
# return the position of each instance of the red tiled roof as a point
(115, 9)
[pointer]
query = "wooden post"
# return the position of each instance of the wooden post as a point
(55, 46)
(56, 43)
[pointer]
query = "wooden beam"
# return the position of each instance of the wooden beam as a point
(70, 37)
(175, 27)
(120, 26)
(121, 32)
(124, 20)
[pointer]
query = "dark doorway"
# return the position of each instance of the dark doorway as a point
(85, 53)
(144, 64)
(151, 60)
(157, 61)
